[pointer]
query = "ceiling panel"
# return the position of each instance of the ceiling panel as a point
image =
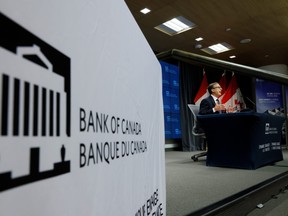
(265, 22)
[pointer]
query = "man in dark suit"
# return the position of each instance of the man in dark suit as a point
(212, 104)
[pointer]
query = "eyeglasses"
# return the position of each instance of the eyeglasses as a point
(217, 87)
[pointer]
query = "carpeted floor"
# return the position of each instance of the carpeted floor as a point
(192, 185)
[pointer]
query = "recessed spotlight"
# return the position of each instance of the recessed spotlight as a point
(145, 10)
(246, 40)
(232, 56)
(199, 39)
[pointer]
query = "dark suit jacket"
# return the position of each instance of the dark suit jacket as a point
(207, 105)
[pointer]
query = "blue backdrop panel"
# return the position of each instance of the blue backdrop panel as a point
(170, 82)
(268, 95)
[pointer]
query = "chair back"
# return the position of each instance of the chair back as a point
(196, 130)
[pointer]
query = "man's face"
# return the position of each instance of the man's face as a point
(216, 90)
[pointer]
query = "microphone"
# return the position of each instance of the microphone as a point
(251, 101)
(254, 105)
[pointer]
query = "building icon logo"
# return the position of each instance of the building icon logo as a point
(34, 105)
(267, 128)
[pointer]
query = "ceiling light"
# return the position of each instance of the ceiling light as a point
(217, 48)
(175, 26)
(199, 39)
(232, 56)
(145, 11)
(244, 41)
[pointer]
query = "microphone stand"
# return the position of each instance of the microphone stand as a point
(254, 105)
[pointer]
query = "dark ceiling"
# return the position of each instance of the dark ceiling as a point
(265, 22)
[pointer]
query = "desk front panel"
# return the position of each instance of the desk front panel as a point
(242, 140)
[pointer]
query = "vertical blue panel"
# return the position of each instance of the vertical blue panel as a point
(175, 125)
(174, 101)
(174, 77)
(166, 100)
(168, 129)
(170, 81)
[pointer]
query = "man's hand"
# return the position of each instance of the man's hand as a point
(219, 107)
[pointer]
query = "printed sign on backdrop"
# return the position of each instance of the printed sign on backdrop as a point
(268, 95)
(81, 130)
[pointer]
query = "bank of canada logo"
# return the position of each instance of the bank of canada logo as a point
(267, 128)
(34, 107)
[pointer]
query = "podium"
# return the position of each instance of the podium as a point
(246, 140)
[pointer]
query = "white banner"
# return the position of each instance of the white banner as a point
(81, 114)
